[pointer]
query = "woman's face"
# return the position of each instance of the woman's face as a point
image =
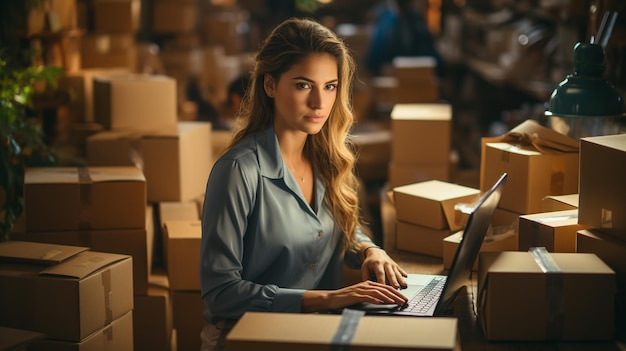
(304, 94)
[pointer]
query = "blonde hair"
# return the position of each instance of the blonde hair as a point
(330, 150)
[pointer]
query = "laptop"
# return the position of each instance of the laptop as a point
(433, 295)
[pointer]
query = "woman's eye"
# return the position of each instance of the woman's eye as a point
(303, 85)
(331, 86)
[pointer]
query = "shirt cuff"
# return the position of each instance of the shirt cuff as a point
(288, 300)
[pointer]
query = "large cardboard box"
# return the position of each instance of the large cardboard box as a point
(420, 239)
(602, 185)
(182, 253)
(117, 16)
(432, 204)
(133, 242)
(540, 162)
(138, 102)
(152, 322)
(421, 133)
(556, 231)
(263, 331)
(175, 16)
(176, 163)
(69, 300)
(612, 251)
(118, 336)
(85, 198)
(519, 301)
(176, 211)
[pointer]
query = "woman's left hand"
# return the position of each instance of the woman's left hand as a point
(383, 267)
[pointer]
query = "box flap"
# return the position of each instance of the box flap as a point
(51, 175)
(113, 174)
(83, 264)
(530, 132)
(37, 253)
(441, 112)
(183, 229)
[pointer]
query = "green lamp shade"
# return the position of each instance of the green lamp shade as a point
(585, 97)
(585, 103)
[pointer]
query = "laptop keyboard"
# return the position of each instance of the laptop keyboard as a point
(426, 297)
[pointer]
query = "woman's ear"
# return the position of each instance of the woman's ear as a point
(269, 84)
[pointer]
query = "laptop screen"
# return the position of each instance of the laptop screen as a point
(467, 252)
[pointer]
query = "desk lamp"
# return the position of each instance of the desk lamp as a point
(585, 103)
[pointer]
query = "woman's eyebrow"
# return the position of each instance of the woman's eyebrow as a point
(312, 81)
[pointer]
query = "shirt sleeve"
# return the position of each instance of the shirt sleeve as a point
(229, 199)
(351, 258)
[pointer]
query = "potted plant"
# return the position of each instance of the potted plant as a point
(22, 142)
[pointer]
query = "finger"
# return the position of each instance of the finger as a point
(392, 275)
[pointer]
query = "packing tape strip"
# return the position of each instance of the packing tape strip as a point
(554, 291)
(347, 327)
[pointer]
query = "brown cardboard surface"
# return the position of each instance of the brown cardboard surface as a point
(520, 302)
(556, 231)
(152, 320)
(70, 198)
(559, 203)
(421, 133)
(117, 16)
(188, 318)
(70, 300)
(108, 51)
(37, 253)
(602, 185)
(118, 336)
(138, 102)
(293, 331)
(183, 210)
(420, 239)
(431, 204)
(17, 339)
(612, 251)
(182, 253)
(533, 175)
(176, 163)
(406, 173)
(132, 242)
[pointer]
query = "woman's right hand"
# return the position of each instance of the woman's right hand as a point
(365, 291)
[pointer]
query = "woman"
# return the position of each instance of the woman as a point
(281, 213)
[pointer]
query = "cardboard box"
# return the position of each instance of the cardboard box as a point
(118, 335)
(420, 239)
(556, 231)
(176, 163)
(132, 242)
(518, 301)
(540, 162)
(85, 198)
(69, 300)
(152, 322)
(420, 69)
(612, 251)
(421, 133)
(17, 339)
(188, 317)
(182, 253)
(108, 51)
(137, 102)
(264, 331)
(499, 242)
(406, 173)
(432, 204)
(177, 211)
(602, 186)
(117, 16)
(559, 203)
(174, 17)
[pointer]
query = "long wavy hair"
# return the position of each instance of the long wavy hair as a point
(330, 150)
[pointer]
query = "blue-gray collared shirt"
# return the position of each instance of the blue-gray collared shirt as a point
(262, 243)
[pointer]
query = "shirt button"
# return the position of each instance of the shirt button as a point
(320, 234)
(312, 266)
